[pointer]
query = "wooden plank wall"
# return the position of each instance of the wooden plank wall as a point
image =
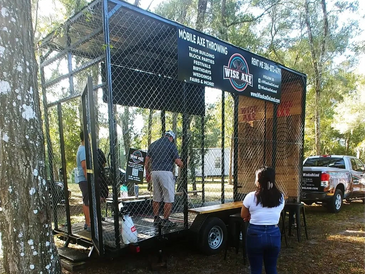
(256, 141)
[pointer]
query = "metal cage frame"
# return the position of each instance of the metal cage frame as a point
(91, 43)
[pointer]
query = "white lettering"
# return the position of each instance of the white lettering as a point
(187, 36)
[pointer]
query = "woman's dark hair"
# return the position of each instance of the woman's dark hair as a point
(82, 135)
(267, 193)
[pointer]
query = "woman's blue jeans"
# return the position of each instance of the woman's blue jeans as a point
(263, 243)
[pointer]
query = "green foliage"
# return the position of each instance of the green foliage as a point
(276, 30)
(183, 12)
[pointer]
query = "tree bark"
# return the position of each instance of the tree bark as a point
(27, 238)
(223, 27)
(202, 7)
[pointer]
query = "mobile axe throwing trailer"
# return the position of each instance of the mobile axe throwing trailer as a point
(138, 64)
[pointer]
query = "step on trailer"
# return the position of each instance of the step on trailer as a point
(125, 76)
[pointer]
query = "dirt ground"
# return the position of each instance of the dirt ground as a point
(336, 245)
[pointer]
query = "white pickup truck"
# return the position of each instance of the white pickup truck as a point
(331, 178)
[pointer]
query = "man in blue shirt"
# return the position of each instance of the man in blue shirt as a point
(80, 178)
(163, 155)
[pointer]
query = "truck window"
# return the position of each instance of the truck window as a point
(359, 165)
(353, 164)
(325, 162)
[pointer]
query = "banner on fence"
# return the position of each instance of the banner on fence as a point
(207, 61)
(135, 166)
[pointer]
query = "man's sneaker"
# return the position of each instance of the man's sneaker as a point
(168, 223)
(157, 220)
(85, 226)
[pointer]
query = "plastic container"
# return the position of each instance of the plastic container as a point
(136, 190)
(129, 231)
(123, 191)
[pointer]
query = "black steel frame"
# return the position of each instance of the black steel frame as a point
(87, 95)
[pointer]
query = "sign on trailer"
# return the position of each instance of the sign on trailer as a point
(207, 61)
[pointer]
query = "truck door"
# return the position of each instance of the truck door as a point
(358, 171)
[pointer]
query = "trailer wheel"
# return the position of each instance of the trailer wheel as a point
(212, 236)
(335, 204)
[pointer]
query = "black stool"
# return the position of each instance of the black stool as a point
(236, 227)
(282, 218)
(294, 210)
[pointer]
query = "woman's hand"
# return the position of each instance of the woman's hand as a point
(245, 214)
(247, 219)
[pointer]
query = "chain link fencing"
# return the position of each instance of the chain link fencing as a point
(133, 98)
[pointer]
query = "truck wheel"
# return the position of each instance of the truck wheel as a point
(212, 236)
(335, 204)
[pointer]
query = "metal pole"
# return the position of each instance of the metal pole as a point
(184, 157)
(69, 61)
(112, 133)
(222, 148)
(63, 159)
(301, 153)
(274, 134)
(265, 132)
(203, 162)
(235, 148)
(97, 229)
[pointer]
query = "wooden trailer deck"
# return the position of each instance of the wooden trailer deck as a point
(144, 223)
(216, 208)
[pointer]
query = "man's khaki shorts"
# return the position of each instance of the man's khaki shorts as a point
(163, 186)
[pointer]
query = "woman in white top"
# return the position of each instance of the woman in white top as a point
(262, 209)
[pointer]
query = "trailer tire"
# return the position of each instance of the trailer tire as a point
(335, 204)
(212, 236)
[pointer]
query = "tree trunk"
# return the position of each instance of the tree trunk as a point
(202, 7)
(317, 125)
(126, 130)
(149, 128)
(27, 238)
(174, 121)
(318, 53)
(127, 138)
(223, 27)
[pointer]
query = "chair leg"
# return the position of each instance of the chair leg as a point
(283, 232)
(244, 233)
(231, 237)
(297, 212)
(291, 220)
(305, 223)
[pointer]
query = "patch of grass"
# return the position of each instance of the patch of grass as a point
(333, 245)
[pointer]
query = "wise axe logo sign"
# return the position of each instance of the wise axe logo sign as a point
(137, 157)
(238, 73)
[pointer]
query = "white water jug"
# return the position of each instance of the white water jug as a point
(129, 231)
